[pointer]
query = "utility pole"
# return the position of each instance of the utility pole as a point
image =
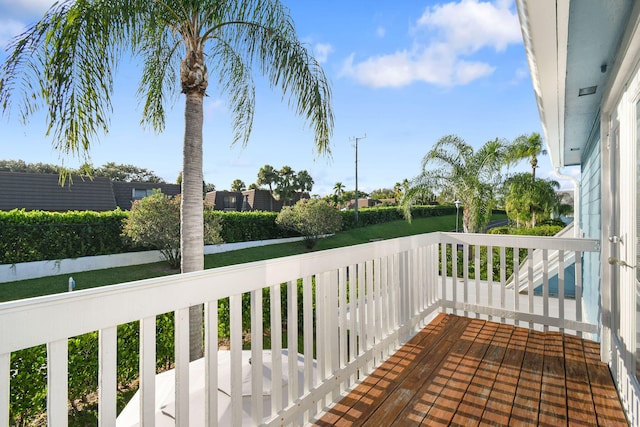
(355, 211)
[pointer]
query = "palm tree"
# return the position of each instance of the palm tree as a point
(304, 181)
(527, 200)
(268, 176)
(528, 147)
(452, 166)
(66, 62)
(238, 185)
(338, 193)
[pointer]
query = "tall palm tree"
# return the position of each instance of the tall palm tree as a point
(268, 176)
(67, 60)
(304, 181)
(528, 147)
(452, 166)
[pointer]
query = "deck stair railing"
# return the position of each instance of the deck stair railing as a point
(341, 312)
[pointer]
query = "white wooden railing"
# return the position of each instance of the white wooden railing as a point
(368, 300)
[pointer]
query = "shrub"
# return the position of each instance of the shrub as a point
(36, 235)
(310, 218)
(154, 223)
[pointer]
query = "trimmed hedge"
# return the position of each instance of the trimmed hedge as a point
(371, 216)
(249, 226)
(38, 235)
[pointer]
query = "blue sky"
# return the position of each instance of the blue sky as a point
(403, 73)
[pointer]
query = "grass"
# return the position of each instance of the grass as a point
(90, 279)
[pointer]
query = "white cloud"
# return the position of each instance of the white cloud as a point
(321, 51)
(446, 38)
(381, 32)
(25, 7)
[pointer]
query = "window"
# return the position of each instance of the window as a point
(141, 193)
(229, 202)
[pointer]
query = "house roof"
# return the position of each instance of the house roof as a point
(123, 191)
(571, 46)
(34, 191)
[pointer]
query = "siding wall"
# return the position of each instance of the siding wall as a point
(590, 223)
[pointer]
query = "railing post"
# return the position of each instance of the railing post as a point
(107, 376)
(5, 383)
(57, 385)
(147, 370)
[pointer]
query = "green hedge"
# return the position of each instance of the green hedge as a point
(249, 226)
(371, 216)
(38, 235)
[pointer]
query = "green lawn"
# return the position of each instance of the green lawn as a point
(90, 279)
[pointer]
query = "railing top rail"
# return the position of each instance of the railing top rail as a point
(30, 322)
(34, 321)
(533, 242)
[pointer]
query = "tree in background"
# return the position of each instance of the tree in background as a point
(21, 166)
(530, 201)
(123, 173)
(238, 185)
(67, 61)
(284, 183)
(111, 170)
(312, 218)
(154, 223)
(338, 194)
(528, 147)
(268, 176)
(453, 166)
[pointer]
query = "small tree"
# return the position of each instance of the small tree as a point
(311, 218)
(154, 223)
(238, 185)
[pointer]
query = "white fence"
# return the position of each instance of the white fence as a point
(357, 305)
(35, 269)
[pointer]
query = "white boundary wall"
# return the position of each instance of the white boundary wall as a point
(35, 269)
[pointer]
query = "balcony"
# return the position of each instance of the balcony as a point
(343, 313)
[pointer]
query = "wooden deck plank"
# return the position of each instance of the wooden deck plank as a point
(526, 402)
(553, 393)
(444, 411)
(460, 371)
(357, 406)
(500, 404)
(580, 409)
(605, 396)
(428, 387)
(476, 398)
(405, 393)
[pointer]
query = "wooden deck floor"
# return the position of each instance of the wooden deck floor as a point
(460, 371)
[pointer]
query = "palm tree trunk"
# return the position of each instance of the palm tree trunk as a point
(191, 210)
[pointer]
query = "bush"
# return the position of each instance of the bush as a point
(539, 230)
(154, 223)
(37, 235)
(249, 226)
(379, 215)
(310, 218)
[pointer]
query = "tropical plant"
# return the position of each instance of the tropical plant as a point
(452, 166)
(311, 218)
(529, 201)
(67, 62)
(154, 223)
(123, 173)
(238, 185)
(268, 176)
(22, 166)
(528, 147)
